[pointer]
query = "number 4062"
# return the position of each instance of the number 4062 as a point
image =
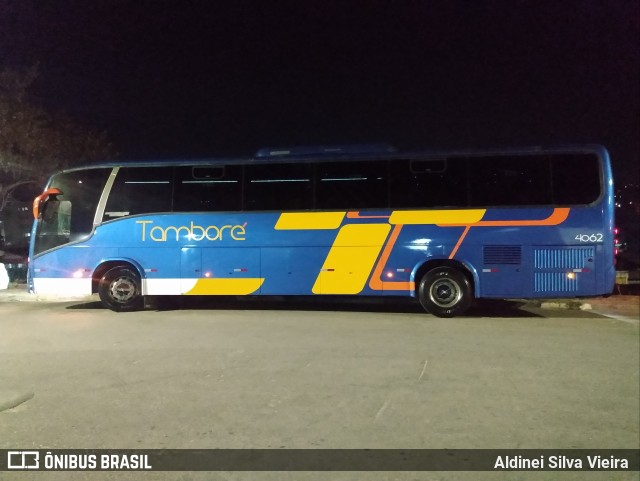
(589, 237)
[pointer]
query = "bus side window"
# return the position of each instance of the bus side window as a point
(576, 179)
(278, 187)
(207, 188)
(352, 185)
(140, 190)
(428, 183)
(509, 180)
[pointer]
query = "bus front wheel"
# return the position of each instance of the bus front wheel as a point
(445, 292)
(120, 290)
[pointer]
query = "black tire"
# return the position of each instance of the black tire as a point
(445, 292)
(120, 289)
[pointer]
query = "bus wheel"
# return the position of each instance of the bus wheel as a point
(120, 290)
(445, 292)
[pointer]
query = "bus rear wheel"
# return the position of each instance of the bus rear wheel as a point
(445, 292)
(120, 290)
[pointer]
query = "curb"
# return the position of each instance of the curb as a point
(571, 305)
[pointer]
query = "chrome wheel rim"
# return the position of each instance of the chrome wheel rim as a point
(122, 289)
(445, 293)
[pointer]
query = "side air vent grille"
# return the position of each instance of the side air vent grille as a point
(562, 258)
(554, 282)
(562, 269)
(502, 255)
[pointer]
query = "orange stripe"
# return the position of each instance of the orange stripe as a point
(356, 215)
(455, 249)
(558, 216)
(376, 283)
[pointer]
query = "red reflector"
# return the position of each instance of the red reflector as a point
(154, 270)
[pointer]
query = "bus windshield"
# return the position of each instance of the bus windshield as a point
(69, 217)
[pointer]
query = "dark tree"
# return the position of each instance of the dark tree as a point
(35, 142)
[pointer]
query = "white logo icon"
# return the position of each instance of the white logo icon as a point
(23, 460)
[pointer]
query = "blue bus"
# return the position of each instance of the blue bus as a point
(445, 227)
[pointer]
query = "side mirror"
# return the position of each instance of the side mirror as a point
(38, 202)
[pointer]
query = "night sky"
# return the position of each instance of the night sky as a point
(205, 78)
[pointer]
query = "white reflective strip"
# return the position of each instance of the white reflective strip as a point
(267, 181)
(161, 287)
(167, 287)
(62, 287)
(146, 182)
(343, 179)
(209, 181)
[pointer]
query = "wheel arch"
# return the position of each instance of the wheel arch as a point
(108, 264)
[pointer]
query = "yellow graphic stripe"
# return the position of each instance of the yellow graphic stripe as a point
(440, 217)
(226, 287)
(351, 258)
(309, 220)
